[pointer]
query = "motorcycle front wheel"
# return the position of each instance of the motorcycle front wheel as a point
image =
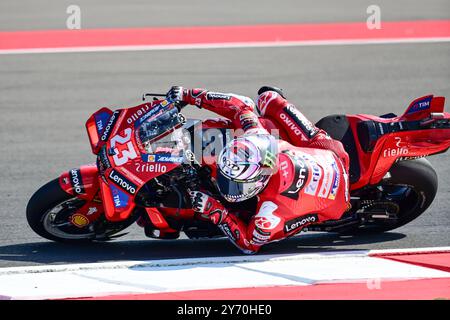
(48, 214)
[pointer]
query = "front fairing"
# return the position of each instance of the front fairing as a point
(127, 161)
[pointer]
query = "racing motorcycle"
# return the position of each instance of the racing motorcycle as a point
(150, 156)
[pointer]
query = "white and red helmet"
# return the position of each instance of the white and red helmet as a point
(245, 166)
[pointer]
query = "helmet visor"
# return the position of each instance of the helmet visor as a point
(234, 191)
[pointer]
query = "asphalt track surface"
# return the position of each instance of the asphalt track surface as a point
(46, 98)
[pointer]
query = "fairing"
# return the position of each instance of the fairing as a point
(423, 130)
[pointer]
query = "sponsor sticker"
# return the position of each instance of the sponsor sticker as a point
(299, 119)
(103, 162)
(122, 182)
(248, 120)
(226, 229)
(300, 222)
(265, 219)
(335, 186)
(286, 170)
(138, 113)
(217, 96)
(259, 237)
(396, 151)
(316, 175)
(269, 159)
(150, 167)
(148, 157)
(79, 220)
(120, 198)
(76, 181)
(328, 175)
(300, 178)
(291, 125)
(150, 113)
(101, 119)
(169, 158)
(421, 105)
(109, 126)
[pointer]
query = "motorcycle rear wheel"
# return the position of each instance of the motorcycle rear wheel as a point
(410, 190)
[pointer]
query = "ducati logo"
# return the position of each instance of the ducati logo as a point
(264, 223)
(265, 219)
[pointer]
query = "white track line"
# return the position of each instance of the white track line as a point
(189, 262)
(134, 277)
(214, 260)
(101, 279)
(227, 45)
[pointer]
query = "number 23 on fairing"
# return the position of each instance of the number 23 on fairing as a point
(121, 157)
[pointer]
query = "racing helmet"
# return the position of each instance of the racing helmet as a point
(245, 166)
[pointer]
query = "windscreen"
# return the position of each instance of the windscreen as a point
(163, 133)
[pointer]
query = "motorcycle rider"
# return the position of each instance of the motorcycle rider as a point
(296, 183)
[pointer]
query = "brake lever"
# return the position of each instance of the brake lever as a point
(145, 95)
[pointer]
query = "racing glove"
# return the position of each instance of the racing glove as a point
(177, 94)
(208, 207)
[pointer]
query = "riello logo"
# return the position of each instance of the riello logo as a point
(396, 152)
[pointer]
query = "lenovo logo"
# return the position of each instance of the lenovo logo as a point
(122, 182)
(299, 222)
(76, 182)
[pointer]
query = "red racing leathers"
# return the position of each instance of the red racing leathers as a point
(310, 185)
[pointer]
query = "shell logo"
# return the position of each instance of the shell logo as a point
(79, 220)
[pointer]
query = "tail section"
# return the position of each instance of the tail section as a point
(424, 107)
(423, 130)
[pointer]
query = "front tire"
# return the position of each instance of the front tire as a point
(50, 208)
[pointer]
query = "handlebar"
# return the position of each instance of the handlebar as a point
(179, 104)
(145, 95)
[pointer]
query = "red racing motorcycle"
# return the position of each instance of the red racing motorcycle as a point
(150, 156)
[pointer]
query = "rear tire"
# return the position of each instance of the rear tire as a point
(421, 182)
